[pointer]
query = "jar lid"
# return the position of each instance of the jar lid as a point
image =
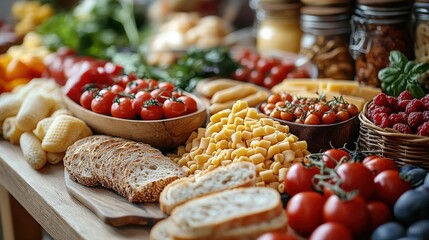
(325, 25)
(324, 11)
(279, 6)
(325, 2)
(379, 2)
(384, 11)
(326, 32)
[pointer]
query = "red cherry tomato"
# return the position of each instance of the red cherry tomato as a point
(136, 85)
(173, 108)
(123, 108)
(257, 77)
(87, 97)
(378, 165)
(242, 74)
(305, 212)
(331, 231)
(116, 88)
(191, 104)
(160, 95)
(103, 102)
(356, 176)
(379, 213)
(151, 83)
(152, 111)
(389, 186)
(353, 213)
(332, 156)
(329, 117)
(276, 236)
(369, 158)
(123, 80)
(300, 179)
(166, 86)
(140, 98)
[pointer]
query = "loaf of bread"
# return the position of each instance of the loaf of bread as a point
(243, 213)
(135, 170)
(238, 174)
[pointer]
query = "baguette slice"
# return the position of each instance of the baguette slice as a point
(208, 216)
(238, 174)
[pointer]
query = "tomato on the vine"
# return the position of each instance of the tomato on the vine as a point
(191, 104)
(329, 117)
(342, 116)
(378, 165)
(169, 87)
(256, 77)
(160, 94)
(87, 97)
(102, 102)
(299, 178)
(379, 213)
(332, 156)
(123, 80)
(305, 212)
(312, 119)
(135, 86)
(152, 110)
(173, 108)
(140, 98)
(116, 88)
(353, 213)
(241, 74)
(389, 186)
(122, 108)
(330, 231)
(355, 176)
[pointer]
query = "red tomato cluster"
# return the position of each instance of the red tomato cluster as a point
(134, 98)
(266, 71)
(334, 197)
(313, 111)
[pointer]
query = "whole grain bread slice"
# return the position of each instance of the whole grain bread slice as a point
(204, 217)
(238, 174)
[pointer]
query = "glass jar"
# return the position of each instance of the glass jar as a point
(278, 26)
(421, 33)
(376, 31)
(326, 41)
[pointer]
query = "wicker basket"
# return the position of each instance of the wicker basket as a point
(403, 148)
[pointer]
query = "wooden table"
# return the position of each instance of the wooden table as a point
(44, 195)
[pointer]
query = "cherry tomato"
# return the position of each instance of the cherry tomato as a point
(160, 95)
(103, 102)
(123, 80)
(332, 156)
(166, 86)
(299, 179)
(275, 113)
(369, 158)
(286, 115)
(379, 213)
(256, 77)
(329, 117)
(136, 85)
(312, 119)
(265, 64)
(286, 97)
(140, 98)
(116, 88)
(151, 83)
(191, 104)
(276, 236)
(122, 108)
(298, 112)
(352, 110)
(152, 112)
(342, 116)
(278, 73)
(173, 108)
(331, 231)
(322, 107)
(269, 82)
(87, 97)
(242, 74)
(274, 98)
(378, 165)
(355, 176)
(389, 186)
(305, 212)
(353, 213)
(268, 108)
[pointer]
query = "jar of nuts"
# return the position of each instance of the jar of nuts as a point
(421, 33)
(378, 27)
(326, 40)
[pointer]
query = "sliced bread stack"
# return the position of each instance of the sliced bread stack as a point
(237, 174)
(241, 213)
(135, 170)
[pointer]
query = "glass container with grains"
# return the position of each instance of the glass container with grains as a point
(326, 40)
(421, 33)
(378, 27)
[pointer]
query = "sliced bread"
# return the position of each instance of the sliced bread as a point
(208, 216)
(239, 174)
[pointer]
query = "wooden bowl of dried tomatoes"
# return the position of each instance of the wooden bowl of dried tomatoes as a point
(323, 124)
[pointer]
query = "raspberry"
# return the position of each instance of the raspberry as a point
(415, 119)
(426, 116)
(396, 118)
(381, 100)
(414, 105)
(393, 102)
(403, 128)
(404, 115)
(423, 130)
(381, 120)
(402, 104)
(381, 110)
(405, 95)
(425, 98)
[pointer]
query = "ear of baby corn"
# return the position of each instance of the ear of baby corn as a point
(55, 157)
(42, 127)
(63, 132)
(34, 108)
(10, 131)
(32, 149)
(9, 106)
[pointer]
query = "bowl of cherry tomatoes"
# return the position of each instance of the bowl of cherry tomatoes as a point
(142, 110)
(322, 123)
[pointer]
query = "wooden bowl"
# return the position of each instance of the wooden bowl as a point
(162, 134)
(322, 137)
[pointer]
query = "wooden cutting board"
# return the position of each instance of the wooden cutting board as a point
(112, 208)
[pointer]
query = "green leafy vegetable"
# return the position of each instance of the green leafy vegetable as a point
(402, 75)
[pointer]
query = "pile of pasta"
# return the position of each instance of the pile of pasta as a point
(241, 134)
(34, 116)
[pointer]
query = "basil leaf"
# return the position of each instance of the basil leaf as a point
(416, 90)
(389, 74)
(420, 68)
(396, 88)
(397, 59)
(408, 66)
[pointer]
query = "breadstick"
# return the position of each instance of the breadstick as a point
(234, 93)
